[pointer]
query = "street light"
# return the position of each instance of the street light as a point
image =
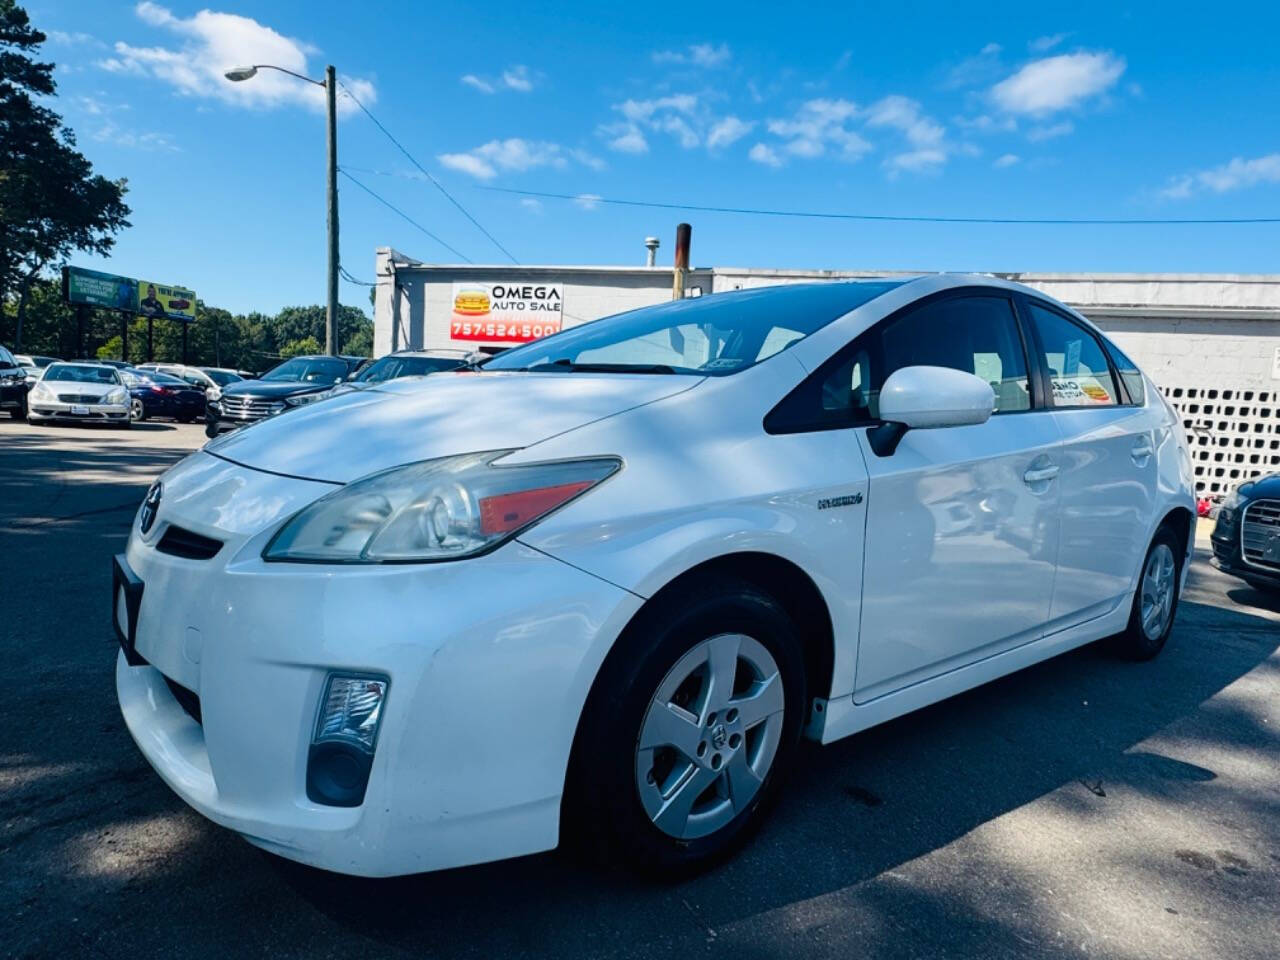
(330, 85)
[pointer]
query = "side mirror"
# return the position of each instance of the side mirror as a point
(924, 398)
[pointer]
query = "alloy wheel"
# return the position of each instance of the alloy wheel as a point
(1158, 591)
(709, 736)
(136, 410)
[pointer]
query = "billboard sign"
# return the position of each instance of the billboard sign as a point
(505, 312)
(95, 289)
(159, 300)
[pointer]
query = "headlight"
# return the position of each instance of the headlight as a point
(303, 399)
(213, 393)
(1233, 500)
(41, 391)
(441, 509)
(118, 395)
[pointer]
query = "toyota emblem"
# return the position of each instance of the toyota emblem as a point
(150, 507)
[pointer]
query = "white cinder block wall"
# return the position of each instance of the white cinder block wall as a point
(1210, 342)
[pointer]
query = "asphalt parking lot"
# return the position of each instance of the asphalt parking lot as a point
(1086, 807)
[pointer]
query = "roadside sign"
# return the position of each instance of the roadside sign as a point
(159, 300)
(505, 312)
(96, 289)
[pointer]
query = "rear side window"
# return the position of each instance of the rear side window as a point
(976, 334)
(1130, 375)
(1078, 367)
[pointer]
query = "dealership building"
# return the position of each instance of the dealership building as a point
(1211, 342)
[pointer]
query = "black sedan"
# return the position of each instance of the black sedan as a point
(1246, 540)
(292, 383)
(154, 394)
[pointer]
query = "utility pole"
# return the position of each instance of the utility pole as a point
(331, 310)
(684, 233)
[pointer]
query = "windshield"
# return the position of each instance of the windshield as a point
(221, 377)
(75, 373)
(308, 370)
(715, 335)
(389, 368)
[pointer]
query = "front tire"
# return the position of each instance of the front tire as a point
(689, 730)
(1155, 602)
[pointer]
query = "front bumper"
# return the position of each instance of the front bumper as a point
(489, 662)
(92, 412)
(1227, 556)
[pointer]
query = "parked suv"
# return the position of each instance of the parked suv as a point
(277, 390)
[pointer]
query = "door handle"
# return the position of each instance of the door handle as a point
(1040, 474)
(1142, 450)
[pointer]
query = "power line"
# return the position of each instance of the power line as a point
(346, 275)
(391, 206)
(425, 172)
(823, 215)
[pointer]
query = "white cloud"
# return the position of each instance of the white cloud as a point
(1236, 174)
(981, 68)
(75, 39)
(112, 133)
(927, 160)
(696, 54)
(471, 80)
(513, 154)
(589, 160)
(211, 43)
(1050, 131)
(726, 131)
(817, 124)
(985, 123)
(1057, 83)
(1007, 160)
(588, 201)
(515, 77)
(765, 154)
(683, 116)
(1041, 44)
(532, 204)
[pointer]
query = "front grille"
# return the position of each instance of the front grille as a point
(188, 700)
(79, 398)
(245, 408)
(180, 542)
(1260, 534)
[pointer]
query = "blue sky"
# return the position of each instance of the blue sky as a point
(1023, 110)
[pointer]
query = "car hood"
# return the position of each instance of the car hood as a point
(1268, 486)
(272, 390)
(354, 434)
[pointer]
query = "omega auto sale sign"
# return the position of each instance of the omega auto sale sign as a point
(505, 312)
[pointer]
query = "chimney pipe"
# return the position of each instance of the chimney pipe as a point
(651, 244)
(684, 233)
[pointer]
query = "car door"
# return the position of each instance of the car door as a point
(1108, 467)
(961, 522)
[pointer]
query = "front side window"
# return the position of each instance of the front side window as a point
(716, 335)
(976, 334)
(393, 367)
(1078, 368)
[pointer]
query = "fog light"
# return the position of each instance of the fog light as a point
(346, 733)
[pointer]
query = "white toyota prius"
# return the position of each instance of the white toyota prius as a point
(601, 586)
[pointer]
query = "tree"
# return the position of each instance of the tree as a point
(299, 323)
(51, 201)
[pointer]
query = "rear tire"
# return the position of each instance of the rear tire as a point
(716, 665)
(1155, 602)
(137, 410)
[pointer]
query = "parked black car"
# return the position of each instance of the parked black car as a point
(1246, 540)
(153, 394)
(13, 386)
(277, 390)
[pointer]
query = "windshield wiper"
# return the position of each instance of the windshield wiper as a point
(568, 366)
